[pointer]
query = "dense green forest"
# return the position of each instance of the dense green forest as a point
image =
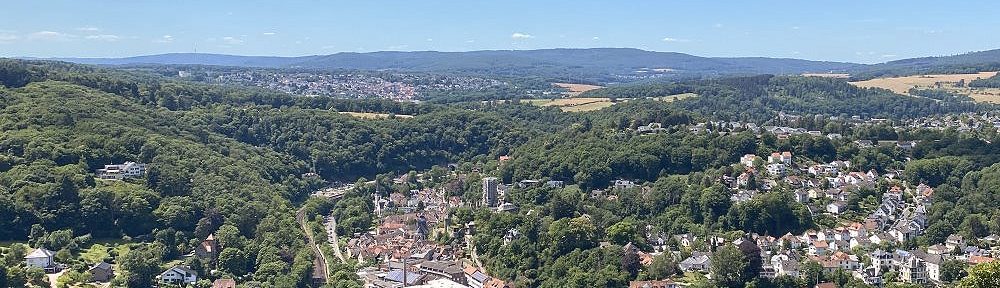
(761, 98)
(992, 82)
(56, 134)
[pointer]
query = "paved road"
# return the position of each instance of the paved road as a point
(331, 229)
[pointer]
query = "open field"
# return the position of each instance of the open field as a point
(676, 97)
(902, 85)
(365, 115)
(96, 253)
(576, 89)
(574, 104)
(991, 95)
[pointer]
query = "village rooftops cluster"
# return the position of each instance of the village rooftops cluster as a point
(832, 249)
(397, 86)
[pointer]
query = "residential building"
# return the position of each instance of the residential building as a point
(786, 267)
(776, 169)
(122, 171)
(101, 272)
(748, 159)
(491, 189)
(913, 270)
(178, 275)
(955, 241)
(445, 269)
(622, 184)
(932, 263)
(699, 262)
(818, 247)
(836, 207)
(782, 158)
(869, 275)
(475, 278)
(40, 258)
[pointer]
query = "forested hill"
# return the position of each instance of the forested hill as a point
(228, 160)
(761, 98)
(55, 134)
(587, 65)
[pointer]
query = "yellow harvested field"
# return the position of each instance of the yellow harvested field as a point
(365, 115)
(576, 89)
(573, 104)
(673, 98)
(902, 85)
(991, 95)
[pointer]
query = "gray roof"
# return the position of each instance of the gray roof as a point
(101, 266)
(40, 253)
(397, 276)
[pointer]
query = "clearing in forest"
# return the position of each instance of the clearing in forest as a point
(574, 104)
(576, 89)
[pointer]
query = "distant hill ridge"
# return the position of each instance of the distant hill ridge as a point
(593, 64)
(596, 63)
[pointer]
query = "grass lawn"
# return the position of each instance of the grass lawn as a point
(96, 253)
(692, 277)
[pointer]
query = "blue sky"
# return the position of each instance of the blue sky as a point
(847, 30)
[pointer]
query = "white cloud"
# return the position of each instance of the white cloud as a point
(718, 25)
(596, 38)
(520, 36)
(104, 37)
(674, 40)
(50, 36)
(470, 41)
(399, 47)
(796, 28)
(232, 40)
(8, 36)
(430, 39)
(889, 56)
(88, 29)
(269, 33)
(164, 39)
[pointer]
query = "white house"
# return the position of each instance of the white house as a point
(697, 262)
(122, 171)
(748, 159)
(40, 258)
(836, 207)
(178, 275)
(776, 169)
